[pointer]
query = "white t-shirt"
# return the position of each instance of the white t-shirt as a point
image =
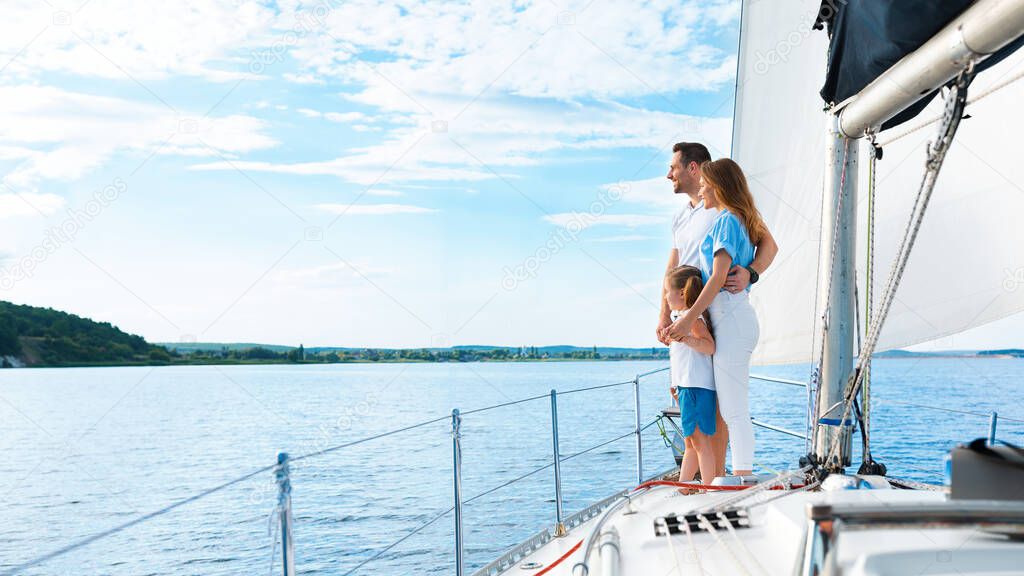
(689, 228)
(690, 369)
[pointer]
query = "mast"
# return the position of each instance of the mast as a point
(836, 283)
(981, 30)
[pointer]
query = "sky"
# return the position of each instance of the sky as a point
(360, 173)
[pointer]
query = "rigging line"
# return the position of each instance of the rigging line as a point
(710, 527)
(869, 288)
(785, 493)
(481, 495)
(598, 387)
(732, 532)
(369, 438)
(400, 540)
(626, 435)
(882, 401)
(472, 499)
(120, 527)
(754, 490)
(693, 547)
(655, 371)
(166, 509)
(442, 418)
(857, 413)
(936, 156)
(504, 404)
(988, 92)
(671, 545)
(504, 484)
(937, 153)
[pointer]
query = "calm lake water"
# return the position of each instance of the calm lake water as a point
(86, 449)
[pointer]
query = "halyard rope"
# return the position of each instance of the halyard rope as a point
(693, 547)
(743, 546)
(710, 527)
(955, 103)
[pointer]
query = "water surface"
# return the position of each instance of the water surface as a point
(88, 448)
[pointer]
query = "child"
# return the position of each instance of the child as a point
(693, 379)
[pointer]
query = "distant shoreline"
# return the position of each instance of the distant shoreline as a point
(277, 362)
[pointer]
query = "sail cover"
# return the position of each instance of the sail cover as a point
(967, 268)
(869, 36)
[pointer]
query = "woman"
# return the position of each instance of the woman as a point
(736, 230)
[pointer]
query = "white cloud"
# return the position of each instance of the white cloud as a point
(373, 209)
(582, 220)
(143, 40)
(654, 192)
(334, 274)
(61, 135)
(29, 204)
(515, 80)
(471, 90)
(347, 117)
(302, 78)
(625, 238)
(536, 49)
(495, 135)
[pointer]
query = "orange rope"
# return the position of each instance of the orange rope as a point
(560, 559)
(699, 486)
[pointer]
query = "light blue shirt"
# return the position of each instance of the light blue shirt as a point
(729, 234)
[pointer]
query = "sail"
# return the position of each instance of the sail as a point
(967, 268)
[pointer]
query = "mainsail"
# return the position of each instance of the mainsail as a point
(967, 268)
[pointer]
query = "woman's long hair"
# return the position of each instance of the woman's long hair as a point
(730, 185)
(689, 280)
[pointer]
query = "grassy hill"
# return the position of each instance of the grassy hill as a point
(47, 337)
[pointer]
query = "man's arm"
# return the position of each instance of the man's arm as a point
(739, 277)
(665, 315)
(700, 338)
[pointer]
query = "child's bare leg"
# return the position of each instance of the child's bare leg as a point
(720, 441)
(705, 455)
(689, 467)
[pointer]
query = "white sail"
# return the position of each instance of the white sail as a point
(967, 267)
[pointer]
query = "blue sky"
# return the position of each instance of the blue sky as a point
(359, 173)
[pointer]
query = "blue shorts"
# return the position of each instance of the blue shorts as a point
(697, 407)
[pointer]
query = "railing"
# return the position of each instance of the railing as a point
(282, 477)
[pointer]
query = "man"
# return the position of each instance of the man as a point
(689, 228)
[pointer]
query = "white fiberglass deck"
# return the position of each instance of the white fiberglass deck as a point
(774, 543)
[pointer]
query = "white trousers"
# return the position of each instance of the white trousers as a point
(735, 328)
